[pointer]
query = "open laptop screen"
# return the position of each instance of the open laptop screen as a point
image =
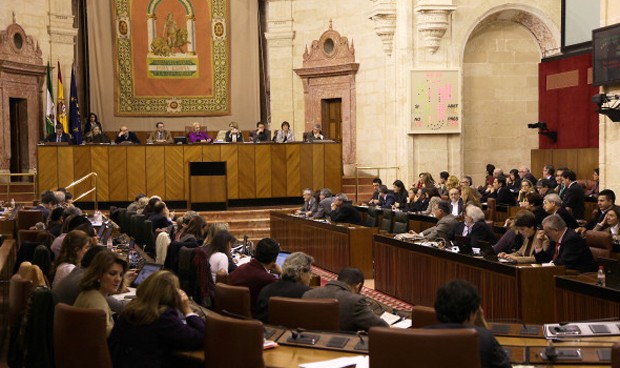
(145, 272)
(281, 257)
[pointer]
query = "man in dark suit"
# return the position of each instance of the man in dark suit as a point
(552, 204)
(314, 135)
(386, 198)
(474, 227)
(444, 227)
(310, 206)
(376, 184)
(343, 211)
(606, 200)
(261, 134)
(456, 202)
(125, 136)
(457, 305)
(58, 136)
(502, 194)
(566, 248)
(355, 313)
(573, 196)
(325, 204)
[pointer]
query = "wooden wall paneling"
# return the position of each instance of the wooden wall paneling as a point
(293, 168)
(588, 161)
(228, 153)
(136, 171)
(191, 153)
(81, 168)
(65, 167)
(174, 173)
(211, 153)
(318, 166)
(47, 168)
(278, 170)
(333, 167)
(262, 172)
(155, 170)
(306, 164)
(99, 164)
(539, 158)
(565, 157)
(117, 165)
(247, 171)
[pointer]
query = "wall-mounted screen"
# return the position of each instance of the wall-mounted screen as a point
(606, 55)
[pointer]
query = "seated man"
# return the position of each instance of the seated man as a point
(125, 136)
(310, 206)
(48, 203)
(315, 135)
(59, 136)
(324, 207)
(261, 134)
(566, 247)
(457, 305)
(444, 227)
(376, 183)
(573, 196)
(343, 211)
(606, 200)
(161, 135)
(502, 194)
(474, 227)
(355, 313)
(456, 202)
(259, 272)
(553, 206)
(386, 198)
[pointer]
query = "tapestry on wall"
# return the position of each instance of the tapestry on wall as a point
(172, 57)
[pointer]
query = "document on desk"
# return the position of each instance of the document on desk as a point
(360, 361)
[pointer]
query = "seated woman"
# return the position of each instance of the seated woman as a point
(593, 192)
(527, 187)
(97, 136)
(474, 227)
(233, 134)
(610, 223)
(294, 282)
(285, 134)
(73, 247)
(469, 196)
(400, 195)
(103, 277)
(523, 245)
(155, 325)
(218, 253)
(198, 136)
(193, 231)
(92, 121)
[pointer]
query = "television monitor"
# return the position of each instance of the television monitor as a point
(606, 55)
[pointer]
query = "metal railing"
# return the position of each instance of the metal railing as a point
(378, 168)
(9, 182)
(93, 189)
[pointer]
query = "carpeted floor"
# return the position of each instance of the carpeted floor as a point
(367, 292)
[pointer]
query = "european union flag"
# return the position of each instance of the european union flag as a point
(74, 111)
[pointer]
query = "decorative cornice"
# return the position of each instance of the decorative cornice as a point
(383, 16)
(61, 29)
(433, 23)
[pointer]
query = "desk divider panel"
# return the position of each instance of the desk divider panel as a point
(174, 173)
(191, 153)
(247, 171)
(65, 168)
(155, 171)
(99, 164)
(278, 171)
(293, 167)
(333, 167)
(136, 173)
(47, 166)
(229, 154)
(262, 170)
(306, 167)
(118, 174)
(318, 166)
(81, 168)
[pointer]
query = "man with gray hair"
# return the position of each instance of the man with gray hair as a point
(552, 204)
(324, 207)
(445, 226)
(315, 135)
(474, 227)
(566, 247)
(293, 283)
(310, 206)
(343, 211)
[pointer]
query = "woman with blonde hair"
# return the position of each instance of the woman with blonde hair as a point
(73, 247)
(233, 134)
(213, 230)
(103, 277)
(526, 188)
(469, 197)
(197, 135)
(155, 325)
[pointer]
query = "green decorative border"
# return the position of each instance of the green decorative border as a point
(127, 104)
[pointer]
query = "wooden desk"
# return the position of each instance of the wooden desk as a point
(577, 298)
(333, 246)
(413, 273)
(254, 171)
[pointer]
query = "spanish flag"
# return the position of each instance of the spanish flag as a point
(61, 112)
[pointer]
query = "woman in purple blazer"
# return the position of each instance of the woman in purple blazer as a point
(198, 136)
(155, 325)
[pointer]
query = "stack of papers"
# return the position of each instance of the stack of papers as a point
(360, 361)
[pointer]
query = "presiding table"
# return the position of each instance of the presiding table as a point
(413, 273)
(333, 246)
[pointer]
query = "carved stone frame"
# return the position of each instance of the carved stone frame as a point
(328, 72)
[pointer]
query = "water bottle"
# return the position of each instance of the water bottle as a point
(600, 277)
(12, 202)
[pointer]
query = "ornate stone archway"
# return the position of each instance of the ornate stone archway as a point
(21, 77)
(328, 72)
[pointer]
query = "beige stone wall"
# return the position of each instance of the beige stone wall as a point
(383, 80)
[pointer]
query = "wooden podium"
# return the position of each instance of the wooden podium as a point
(207, 186)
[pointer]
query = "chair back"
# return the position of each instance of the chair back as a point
(80, 337)
(423, 316)
(232, 299)
(615, 355)
(302, 313)
(149, 238)
(24, 235)
(28, 218)
(401, 223)
(371, 217)
(233, 342)
(599, 242)
(491, 210)
(386, 220)
(19, 292)
(393, 347)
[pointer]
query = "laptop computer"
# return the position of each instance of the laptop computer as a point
(612, 271)
(180, 140)
(106, 235)
(463, 243)
(486, 251)
(147, 270)
(102, 228)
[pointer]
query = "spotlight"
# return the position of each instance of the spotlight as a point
(543, 130)
(612, 112)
